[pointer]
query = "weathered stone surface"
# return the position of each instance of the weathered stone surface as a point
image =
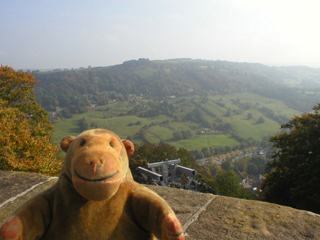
(231, 218)
(13, 183)
(17, 187)
(185, 203)
(203, 216)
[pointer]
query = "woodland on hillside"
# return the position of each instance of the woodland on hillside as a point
(76, 90)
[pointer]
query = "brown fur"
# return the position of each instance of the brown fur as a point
(94, 198)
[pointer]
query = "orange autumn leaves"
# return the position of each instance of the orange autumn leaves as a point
(25, 131)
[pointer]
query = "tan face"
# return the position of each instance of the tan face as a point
(98, 163)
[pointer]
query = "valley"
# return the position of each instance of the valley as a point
(211, 121)
(198, 105)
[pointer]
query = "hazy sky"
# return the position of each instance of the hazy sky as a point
(76, 33)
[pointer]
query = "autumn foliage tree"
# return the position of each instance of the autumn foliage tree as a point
(293, 176)
(25, 130)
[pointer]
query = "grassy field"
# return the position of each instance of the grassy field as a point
(113, 117)
(203, 141)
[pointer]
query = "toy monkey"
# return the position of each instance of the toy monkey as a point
(95, 198)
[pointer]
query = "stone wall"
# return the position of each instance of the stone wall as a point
(203, 216)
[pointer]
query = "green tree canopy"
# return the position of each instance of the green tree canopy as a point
(25, 129)
(227, 184)
(293, 176)
(160, 152)
(150, 153)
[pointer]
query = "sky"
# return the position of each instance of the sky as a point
(49, 34)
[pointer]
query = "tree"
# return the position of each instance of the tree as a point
(25, 130)
(259, 162)
(15, 87)
(177, 135)
(252, 169)
(249, 115)
(215, 168)
(161, 152)
(149, 153)
(227, 184)
(227, 165)
(261, 120)
(293, 177)
(228, 113)
(83, 124)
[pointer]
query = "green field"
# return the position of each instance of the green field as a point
(203, 141)
(161, 128)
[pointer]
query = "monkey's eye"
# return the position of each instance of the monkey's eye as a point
(111, 144)
(83, 142)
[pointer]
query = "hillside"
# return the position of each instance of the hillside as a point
(76, 89)
(193, 104)
(213, 121)
(301, 76)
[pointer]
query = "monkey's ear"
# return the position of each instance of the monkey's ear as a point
(129, 147)
(65, 142)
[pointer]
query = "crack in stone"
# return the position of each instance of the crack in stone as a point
(195, 216)
(26, 191)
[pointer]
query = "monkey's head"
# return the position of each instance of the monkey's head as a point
(96, 162)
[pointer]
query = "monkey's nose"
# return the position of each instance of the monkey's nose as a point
(95, 165)
(99, 163)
